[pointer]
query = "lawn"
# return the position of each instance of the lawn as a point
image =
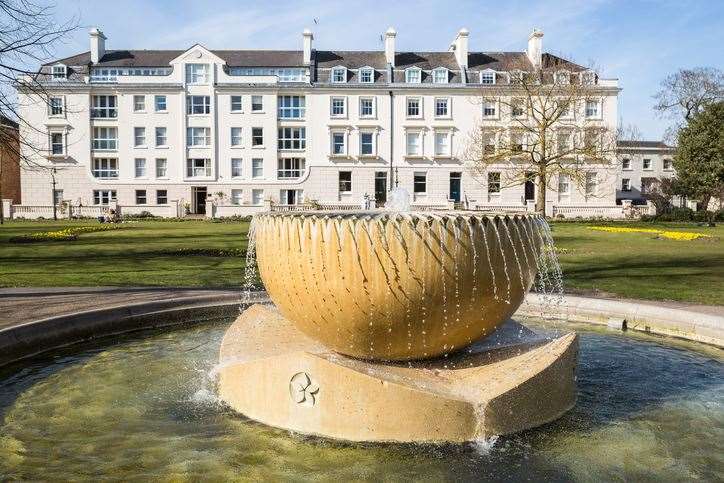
(632, 265)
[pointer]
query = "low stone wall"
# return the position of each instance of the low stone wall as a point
(632, 315)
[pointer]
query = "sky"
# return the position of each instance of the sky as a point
(638, 42)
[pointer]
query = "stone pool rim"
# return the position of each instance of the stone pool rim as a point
(32, 338)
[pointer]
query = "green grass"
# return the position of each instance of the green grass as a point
(630, 265)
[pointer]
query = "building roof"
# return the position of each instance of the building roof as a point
(633, 144)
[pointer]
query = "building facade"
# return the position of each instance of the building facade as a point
(641, 165)
(154, 130)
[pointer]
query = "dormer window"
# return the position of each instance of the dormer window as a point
(487, 77)
(366, 75)
(588, 78)
(60, 72)
(413, 75)
(197, 73)
(440, 75)
(563, 77)
(339, 75)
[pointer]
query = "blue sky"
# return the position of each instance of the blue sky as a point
(639, 42)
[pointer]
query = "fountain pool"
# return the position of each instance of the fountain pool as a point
(144, 407)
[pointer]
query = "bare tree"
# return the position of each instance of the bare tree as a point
(28, 33)
(548, 136)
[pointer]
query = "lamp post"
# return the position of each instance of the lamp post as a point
(55, 204)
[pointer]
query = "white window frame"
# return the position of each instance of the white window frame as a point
(237, 196)
(416, 182)
(419, 114)
(486, 107)
(564, 187)
(161, 168)
(440, 75)
(105, 168)
(192, 168)
(670, 162)
(518, 102)
(139, 137)
(194, 133)
(373, 134)
(340, 181)
(255, 136)
(410, 79)
(626, 184)
(485, 74)
(110, 143)
(140, 169)
(420, 151)
(332, 106)
(283, 140)
(257, 164)
(291, 167)
(139, 103)
(237, 168)
(236, 138)
(494, 185)
(448, 107)
(373, 102)
(197, 74)
(447, 133)
(340, 69)
(589, 114)
(59, 72)
(259, 104)
(232, 103)
(192, 105)
(562, 77)
(104, 197)
(161, 133)
(52, 106)
(334, 133)
(643, 164)
(257, 197)
(366, 70)
(161, 199)
(100, 111)
(158, 100)
(625, 161)
(591, 188)
(287, 110)
(141, 197)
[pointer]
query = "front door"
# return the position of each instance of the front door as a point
(529, 186)
(455, 182)
(380, 188)
(198, 194)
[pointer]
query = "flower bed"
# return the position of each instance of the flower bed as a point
(672, 235)
(66, 234)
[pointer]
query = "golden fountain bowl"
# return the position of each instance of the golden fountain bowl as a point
(393, 286)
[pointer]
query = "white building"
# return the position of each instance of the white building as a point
(641, 165)
(152, 130)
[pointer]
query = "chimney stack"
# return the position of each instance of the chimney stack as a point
(390, 46)
(460, 47)
(97, 44)
(535, 48)
(307, 37)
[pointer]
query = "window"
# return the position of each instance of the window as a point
(198, 105)
(159, 103)
(236, 104)
(516, 142)
(236, 197)
(105, 168)
(518, 108)
(290, 197)
(494, 182)
(563, 78)
(140, 197)
(420, 182)
(564, 107)
(564, 141)
(197, 73)
(161, 139)
(59, 72)
(57, 144)
(366, 75)
(257, 104)
(292, 138)
(292, 107)
(564, 185)
(161, 197)
(626, 164)
(105, 138)
(140, 165)
(648, 165)
(339, 143)
(257, 168)
(236, 136)
(139, 103)
(647, 184)
(441, 107)
(413, 75)
(591, 183)
(284, 74)
(139, 136)
(55, 105)
(104, 107)
(625, 184)
(591, 108)
(290, 168)
(442, 144)
(489, 109)
(57, 197)
(488, 142)
(161, 167)
(487, 77)
(440, 76)
(198, 167)
(257, 137)
(339, 106)
(668, 165)
(345, 181)
(339, 75)
(198, 136)
(103, 197)
(366, 107)
(414, 107)
(236, 168)
(367, 144)
(257, 197)
(413, 144)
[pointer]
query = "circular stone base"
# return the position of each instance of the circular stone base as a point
(511, 381)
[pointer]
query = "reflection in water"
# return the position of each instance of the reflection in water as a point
(146, 409)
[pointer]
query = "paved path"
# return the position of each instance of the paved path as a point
(21, 305)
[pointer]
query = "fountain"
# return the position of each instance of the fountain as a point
(394, 326)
